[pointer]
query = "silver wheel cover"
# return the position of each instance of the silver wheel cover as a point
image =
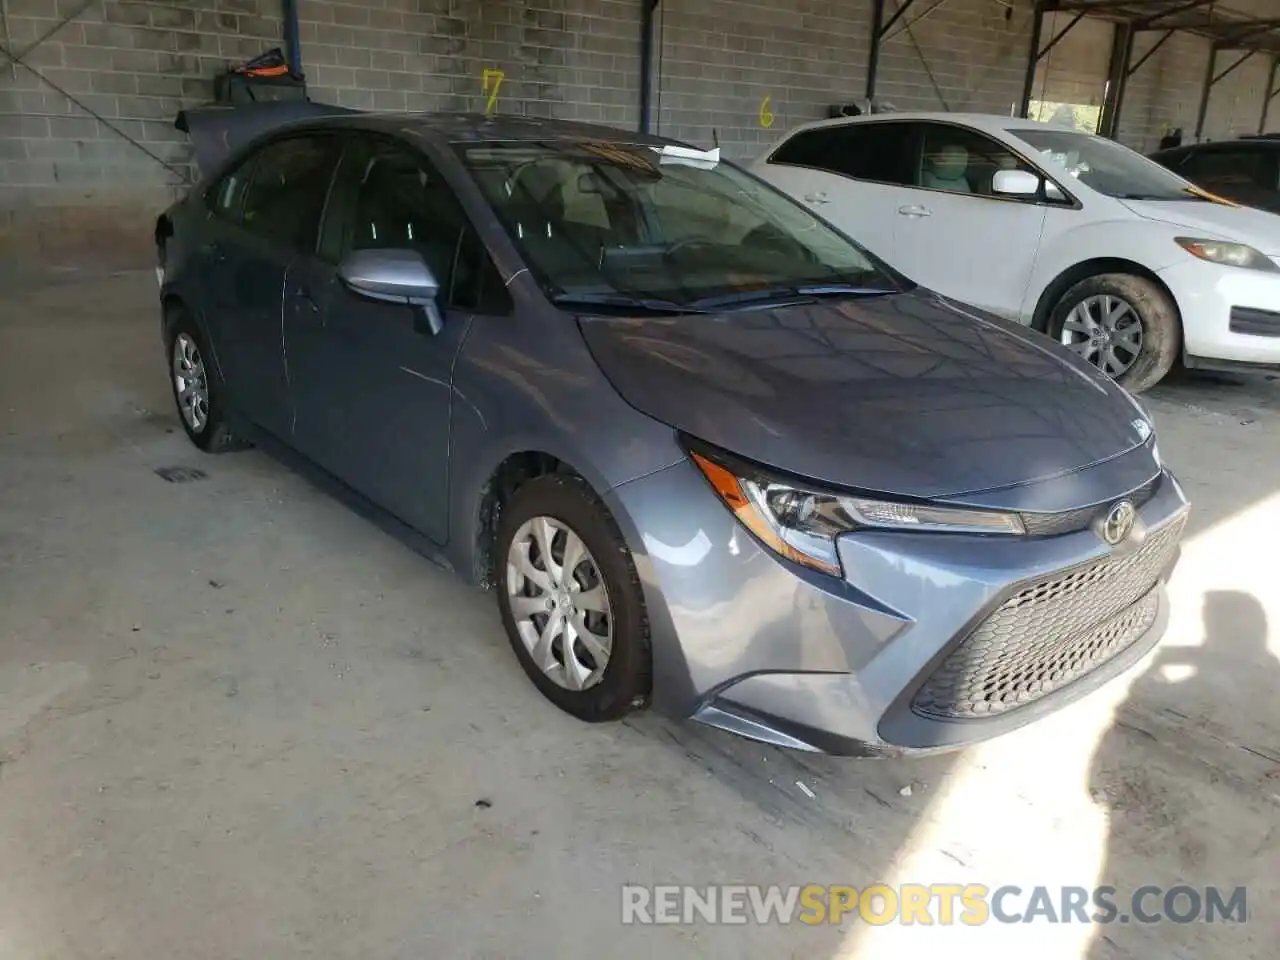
(559, 603)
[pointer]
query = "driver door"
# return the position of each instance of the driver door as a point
(373, 384)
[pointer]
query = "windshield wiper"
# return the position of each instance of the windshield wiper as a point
(805, 291)
(622, 301)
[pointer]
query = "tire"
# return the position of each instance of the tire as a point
(210, 432)
(624, 682)
(1157, 318)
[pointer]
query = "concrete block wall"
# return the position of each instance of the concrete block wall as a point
(135, 63)
(721, 59)
(574, 59)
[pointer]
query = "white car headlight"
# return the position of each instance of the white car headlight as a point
(1228, 254)
(802, 524)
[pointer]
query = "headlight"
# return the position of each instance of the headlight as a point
(1229, 254)
(802, 524)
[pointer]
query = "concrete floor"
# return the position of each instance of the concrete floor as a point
(236, 720)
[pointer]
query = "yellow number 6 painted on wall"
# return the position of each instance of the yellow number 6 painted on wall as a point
(490, 83)
(766, 115)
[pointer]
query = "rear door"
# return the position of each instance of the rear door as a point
(848, 174)
(373, 384)
(952, 233)
(282, 204)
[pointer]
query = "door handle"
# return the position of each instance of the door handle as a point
(914, 210)
(816, 198)
(214, 252)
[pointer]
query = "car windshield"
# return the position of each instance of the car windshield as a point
(608, 222)
(1106, 166)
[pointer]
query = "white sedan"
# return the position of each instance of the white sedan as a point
(1102, 249)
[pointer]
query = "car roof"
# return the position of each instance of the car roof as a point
(988, 122)
(477, 127)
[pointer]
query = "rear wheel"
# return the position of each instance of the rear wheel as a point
(195, 390)
(1124, 325)
(570, 600)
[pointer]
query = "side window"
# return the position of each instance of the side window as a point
(961, 161)
(864, 151)
(286, 194)
(389, 196)
(226, 197)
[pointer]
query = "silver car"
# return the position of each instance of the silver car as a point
(713, 456)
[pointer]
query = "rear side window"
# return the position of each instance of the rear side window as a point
(864, 151)
(226, 197)
(287, 192)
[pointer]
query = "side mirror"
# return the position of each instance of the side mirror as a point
(1015, 183)
(394, 276)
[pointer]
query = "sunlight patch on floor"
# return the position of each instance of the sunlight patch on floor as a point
(1018, 810)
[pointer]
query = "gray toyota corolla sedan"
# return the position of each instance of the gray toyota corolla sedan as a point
(712, 455)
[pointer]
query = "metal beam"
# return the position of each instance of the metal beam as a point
(1090, 5)
(1059, 35)
(873, 56)
(1033, 57)
(1270, 94)
(1232, 68)
(1205, 89)
(647, 27)
(1117, 75)
(1151, 52)
(1148, 23)
(292, 44)
(1211, 78)
(897, 15)
(907, 26)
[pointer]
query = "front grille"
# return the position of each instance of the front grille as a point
(1069, 521)
(1050, 633)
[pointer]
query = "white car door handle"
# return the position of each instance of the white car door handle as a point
(816, 198)
(914, 210)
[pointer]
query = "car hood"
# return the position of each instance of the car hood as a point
(1218, 221)
(910, 394)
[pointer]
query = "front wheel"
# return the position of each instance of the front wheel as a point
(571, 601)
(1124, 325)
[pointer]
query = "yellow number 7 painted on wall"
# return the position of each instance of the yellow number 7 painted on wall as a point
(490, 83)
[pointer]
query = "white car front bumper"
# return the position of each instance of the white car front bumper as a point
(1228, 313)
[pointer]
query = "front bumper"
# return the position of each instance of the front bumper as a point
(931, 642)
(1228, 313)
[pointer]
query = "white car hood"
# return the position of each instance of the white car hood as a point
(1215, 221)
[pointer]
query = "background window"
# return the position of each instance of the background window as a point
(961, 161)
(287, 192)
(392, 198)
(864, 151)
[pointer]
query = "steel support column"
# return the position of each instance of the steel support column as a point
(648, 24)
(1210, 79)
(292, 43)
(1033, 58)
(877, 35)
(1270, 94)
(1117, 76)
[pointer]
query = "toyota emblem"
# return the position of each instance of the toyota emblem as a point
(1119, 522)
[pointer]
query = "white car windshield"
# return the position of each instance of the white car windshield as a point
(598, 219)
(1106, 166)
